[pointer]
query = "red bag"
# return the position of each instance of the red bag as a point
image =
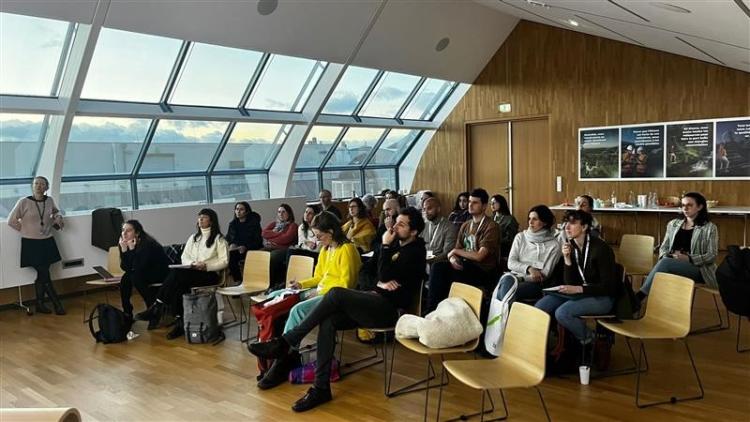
(305, 374)
(271, 320)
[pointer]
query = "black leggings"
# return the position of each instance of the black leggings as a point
(179, 281)
(341, 309)
(43, 283)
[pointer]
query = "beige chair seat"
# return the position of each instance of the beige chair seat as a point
(488, 374)
(414, 345)
(102, 283)
(60, 414)
(649, 329)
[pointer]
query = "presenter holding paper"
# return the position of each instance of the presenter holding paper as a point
(35, 216)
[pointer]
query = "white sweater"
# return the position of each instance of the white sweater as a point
(215, 257)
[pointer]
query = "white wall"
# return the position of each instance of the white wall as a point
(167, 225)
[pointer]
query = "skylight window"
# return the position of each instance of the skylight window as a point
(20, 144)
(182, 146)
(389, 95)
(215, 76)
(350, 90)
(130, 67)
(355, 147)
(428, 100)
(252, 146)
(319, 141)
(285, 84)
(31, 51)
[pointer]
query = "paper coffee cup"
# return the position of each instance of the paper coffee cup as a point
(584, 372)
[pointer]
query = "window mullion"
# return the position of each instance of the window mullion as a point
(174, 76)
(368, 92)
(251, 85)
(62, 62)
(144, 149)
(333, 148)
(409, 99)
(220, 148)
(375, 148)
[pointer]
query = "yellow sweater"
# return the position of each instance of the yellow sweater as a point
(338, 268)
(361, 233)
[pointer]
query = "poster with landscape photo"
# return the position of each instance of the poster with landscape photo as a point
(690, 150)
(732, 149)
(598, 153)
(642, 152)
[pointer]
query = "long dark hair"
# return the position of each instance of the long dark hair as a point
(328, 222)
(456, 206)
(504, 209)
(306, 227)
(248, 209)
(702, 217)
(361, 210)
(288, 211)
(215, 229)
(140, 233)
(544, 214)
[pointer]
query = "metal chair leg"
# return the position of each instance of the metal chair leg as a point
(716, 327)
(739, 330)
(544, 405)
(673, 399)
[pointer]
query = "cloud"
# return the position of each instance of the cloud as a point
(342, 103)
(20, 131)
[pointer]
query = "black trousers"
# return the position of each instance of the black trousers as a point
(179, 281)
(235, 257)
(442, 275)
(141, 284)
(43, 283)
(341, 309)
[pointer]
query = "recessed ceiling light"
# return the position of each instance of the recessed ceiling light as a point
(670, 7)
(266, 7)
(536, 3)
(573, 22)
(442, 44)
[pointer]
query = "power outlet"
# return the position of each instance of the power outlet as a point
(72, 263)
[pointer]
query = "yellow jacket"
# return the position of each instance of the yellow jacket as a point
(361, 233)
(339, 268)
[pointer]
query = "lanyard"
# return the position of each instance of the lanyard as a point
(585, 257)
(41, 211)
(432, 234)
(471, 226)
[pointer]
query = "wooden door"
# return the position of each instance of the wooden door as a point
(488, 165)
(533, 180)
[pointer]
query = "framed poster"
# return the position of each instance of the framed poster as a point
(642, 152)
(598, 153)
(690, 150)
(732, 150)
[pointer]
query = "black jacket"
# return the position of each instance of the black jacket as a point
(146, 262)
(406, 265)
(247, 234)
(600, 271)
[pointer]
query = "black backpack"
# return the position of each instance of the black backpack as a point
(200, 317)
(733, 276)
(114, 324)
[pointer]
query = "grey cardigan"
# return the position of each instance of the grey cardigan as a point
(704, 246)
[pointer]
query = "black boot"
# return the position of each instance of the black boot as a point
(279, 371)
(152, 313)
(40, 292)
(272, 349)
(59, 310)
(314, 397)
(177, 331)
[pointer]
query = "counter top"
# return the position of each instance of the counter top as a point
(714, 210)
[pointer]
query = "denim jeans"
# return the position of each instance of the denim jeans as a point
(672, 266)
(526, 289)
(567, 312)
(298, 311)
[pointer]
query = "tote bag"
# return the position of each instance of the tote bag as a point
(498, 318)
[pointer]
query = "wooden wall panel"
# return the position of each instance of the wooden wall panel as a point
(580, 80)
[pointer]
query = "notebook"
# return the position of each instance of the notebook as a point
(106, 275)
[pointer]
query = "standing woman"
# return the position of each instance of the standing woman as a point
(690, 246)
(243, 234)
(144, 262)
(35, 216)
(507, 224)
(206, 254)
(359, 229)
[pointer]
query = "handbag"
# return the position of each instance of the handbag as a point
(305, 374)
(497, 319)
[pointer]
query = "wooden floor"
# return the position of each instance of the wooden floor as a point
(48, 361)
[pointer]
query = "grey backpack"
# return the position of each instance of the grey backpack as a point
(200, 319)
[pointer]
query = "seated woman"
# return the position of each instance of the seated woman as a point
(144, 262)
(358, 229)
(338, 265)
(507, 224)
(206, 254)
(589, 281)
(533, 256)
(584, 203)
(400, 270)
(460, 211)
(690, 246)
(307, 243)
(277, 237)
(243, 235)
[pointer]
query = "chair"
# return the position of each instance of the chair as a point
(113, 267)
(473, 297)
(739, 348)
(60, 414)
(520, 365)
(636, 253)
(716, 327)
(256, 278)
(299, 267)
(667, 317)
